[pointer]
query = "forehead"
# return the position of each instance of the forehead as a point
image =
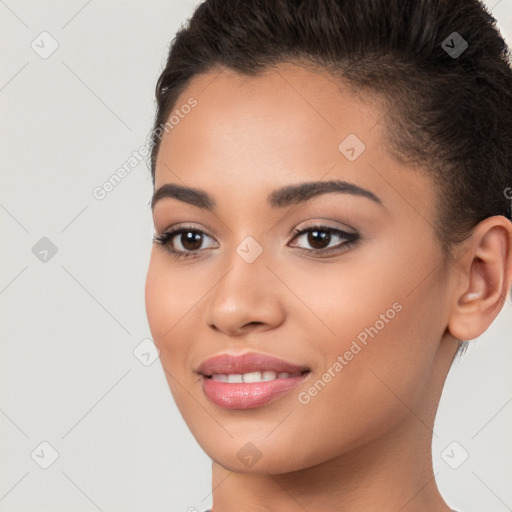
(285, 114)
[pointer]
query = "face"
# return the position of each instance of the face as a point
(346, 283)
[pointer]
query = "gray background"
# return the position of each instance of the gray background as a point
(70, 324)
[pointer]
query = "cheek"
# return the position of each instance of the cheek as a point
(385, 328)
(166, 303)
(166, 306)
(156, 299)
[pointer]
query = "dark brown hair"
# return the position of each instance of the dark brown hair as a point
(448, 113)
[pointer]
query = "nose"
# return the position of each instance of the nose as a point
(246, 298)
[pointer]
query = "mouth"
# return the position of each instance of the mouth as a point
(249, 380)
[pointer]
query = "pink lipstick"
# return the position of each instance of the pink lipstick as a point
(248, 380)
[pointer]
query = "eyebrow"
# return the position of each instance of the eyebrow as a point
(280, 198)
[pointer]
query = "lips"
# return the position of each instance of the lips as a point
(248, 380)
(226, 364)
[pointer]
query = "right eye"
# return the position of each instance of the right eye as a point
(188, 237)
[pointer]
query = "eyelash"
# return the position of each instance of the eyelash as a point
(165, 238)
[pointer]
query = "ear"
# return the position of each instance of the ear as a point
(486, 267)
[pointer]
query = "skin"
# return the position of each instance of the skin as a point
(364, 441)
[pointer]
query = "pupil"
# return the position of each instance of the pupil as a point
(191, 238)
(317, 239)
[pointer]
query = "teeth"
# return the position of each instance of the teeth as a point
(234, 378)
(257, 376)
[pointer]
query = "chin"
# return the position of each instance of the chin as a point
(277, 455)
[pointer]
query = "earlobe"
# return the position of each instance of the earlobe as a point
(466, 321)
(487, 268)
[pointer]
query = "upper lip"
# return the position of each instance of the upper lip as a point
(246, 363)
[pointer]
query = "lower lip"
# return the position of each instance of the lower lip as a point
(247, 395)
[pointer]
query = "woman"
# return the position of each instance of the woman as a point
(332, 208)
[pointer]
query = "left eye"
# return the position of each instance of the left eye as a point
(320, 238)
